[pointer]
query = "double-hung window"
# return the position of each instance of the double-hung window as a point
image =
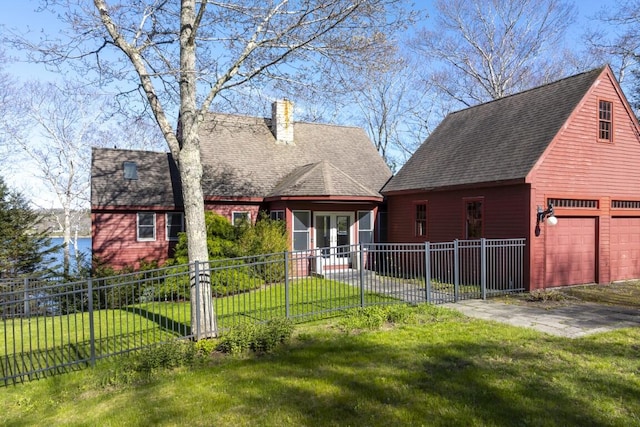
(146, 225)
(605, 121)
(175, 224)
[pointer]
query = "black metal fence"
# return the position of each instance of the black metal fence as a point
(52, 327)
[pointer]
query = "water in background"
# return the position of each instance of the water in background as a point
(84, 248)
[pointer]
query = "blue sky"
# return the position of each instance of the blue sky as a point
(22, 16)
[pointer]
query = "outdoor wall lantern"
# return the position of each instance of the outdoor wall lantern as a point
(545, 215)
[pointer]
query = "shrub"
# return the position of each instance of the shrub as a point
(167, 355)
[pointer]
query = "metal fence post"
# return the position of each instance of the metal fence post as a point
(92, 329)
(196, 283)
(456, 271)
(427, 271)
(27, 305)
(483, 268)
(286, 285)
(361, 267)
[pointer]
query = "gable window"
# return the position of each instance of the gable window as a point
(277, 215)
(301, 224)
(130, 170)
(146, 222)
(175, 225)
(421, 219)
(474, 214)
(605, 121)
(365, 227)
(240, 217)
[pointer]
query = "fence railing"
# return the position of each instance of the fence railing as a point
(51, 327)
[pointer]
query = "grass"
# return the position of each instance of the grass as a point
(444, 369)
(43, 343)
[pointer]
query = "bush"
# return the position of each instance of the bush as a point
(168, 355)
(260, 338)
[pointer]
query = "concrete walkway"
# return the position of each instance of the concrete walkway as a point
(573, 320)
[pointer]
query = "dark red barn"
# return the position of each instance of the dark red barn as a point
(486, 170)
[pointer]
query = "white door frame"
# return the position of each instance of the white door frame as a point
(331, 256)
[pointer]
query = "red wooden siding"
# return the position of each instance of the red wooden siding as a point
(579, 166)
(114, 240)
(505, 211)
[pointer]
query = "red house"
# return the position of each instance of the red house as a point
(488, 170)
(323, 180)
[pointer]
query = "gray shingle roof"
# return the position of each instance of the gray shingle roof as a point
(497, 141)
(157, 179)
(245, 160)
(242, 158)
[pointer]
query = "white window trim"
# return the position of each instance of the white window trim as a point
(166, 223)
(245, 213)
(145, 239)
(277, 210)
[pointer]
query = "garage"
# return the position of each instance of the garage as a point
(570, 248)
(625, 248)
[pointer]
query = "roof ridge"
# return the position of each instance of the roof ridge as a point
(571, 77)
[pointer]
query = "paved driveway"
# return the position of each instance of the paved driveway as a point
(573, 320)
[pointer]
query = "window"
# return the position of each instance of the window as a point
(175, 225)
(130, 170)
(365, 227)
(473, 220)
(301, 223)
(277, 215)
(146, 226)
(421, 219)
(239, 217)
(605, 128)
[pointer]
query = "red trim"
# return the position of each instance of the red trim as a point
(456, 187)
(325, 198)
(233, 199)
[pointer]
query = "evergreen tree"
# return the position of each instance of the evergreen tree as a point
(23, 248)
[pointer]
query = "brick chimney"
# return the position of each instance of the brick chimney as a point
(282, 121)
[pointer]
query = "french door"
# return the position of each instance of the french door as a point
(333, 235)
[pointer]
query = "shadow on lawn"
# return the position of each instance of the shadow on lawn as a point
(444, 383)
(166, 323)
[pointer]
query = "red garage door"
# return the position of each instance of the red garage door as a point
(625, 248)
(570, 252)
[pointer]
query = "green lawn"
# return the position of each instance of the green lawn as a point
(444, 370)
(39, 343)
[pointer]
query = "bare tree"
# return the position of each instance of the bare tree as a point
(482, 50)
(183, 55)
(615, 39)
(54, 125)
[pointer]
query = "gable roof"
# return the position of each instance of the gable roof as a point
(241, 158)
(498, 141)
(320, 179)
(158, 182)
(244, 158)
